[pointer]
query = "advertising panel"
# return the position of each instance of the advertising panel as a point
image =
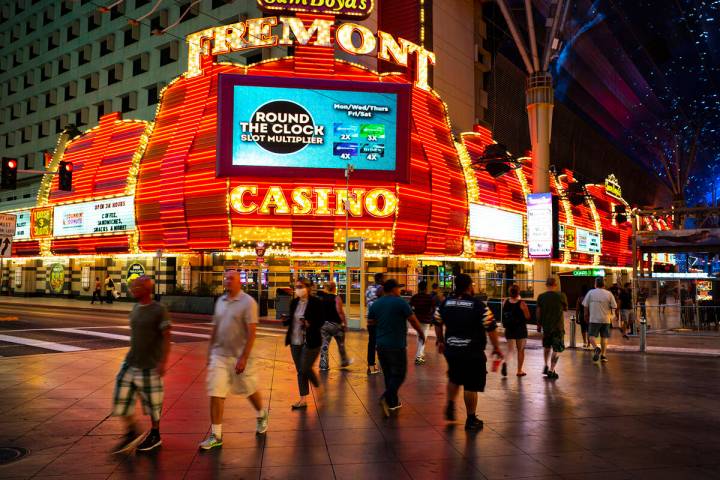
(494, 224)
(56, 277)
(274, 126)
(540, 225)
(41, 220)
(104, 216)
(22, 225)
(588, 242)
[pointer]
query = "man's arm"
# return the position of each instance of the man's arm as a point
(251, 332)
(416, 325)
(537, 318)
(341, 311)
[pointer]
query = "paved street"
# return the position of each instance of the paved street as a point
(645, 417)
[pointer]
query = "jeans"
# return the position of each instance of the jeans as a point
(97, 294)
(420, 344)
(393, 362)
(109, 297)
(304, 359)
(329, 331)
(371, 346)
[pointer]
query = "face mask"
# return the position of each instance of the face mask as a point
(301, 292)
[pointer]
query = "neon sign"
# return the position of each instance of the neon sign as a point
(340, 8)
(612, 186)
(258, 33)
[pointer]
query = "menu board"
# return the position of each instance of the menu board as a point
(22, 225)
(588, 242)
(494, 224)
(540, 225)
(113, 215)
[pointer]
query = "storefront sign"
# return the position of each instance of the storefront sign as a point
(258, 33)
(595, 272)
(612, 186)
(569, 238)
(588, 242)
(41, 222)
(378, 202)
(134, 271)
(22, 225)
(339, 8)
(56, 277)
(7, 232)
(494, 224)
(540, 225)
(105, 216)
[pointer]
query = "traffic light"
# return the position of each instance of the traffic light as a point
(9, 174)
(65, 171)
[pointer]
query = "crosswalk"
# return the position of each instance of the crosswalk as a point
(73, 339)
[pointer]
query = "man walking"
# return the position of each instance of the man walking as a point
(335, 327)
(599, 305)
(461, 336)
(626, 311)
(230, 363)
(144, 366)
(97, 291)
(549, 312)
(390, 312)
(372, 293)
(424, 307)
(109, 289)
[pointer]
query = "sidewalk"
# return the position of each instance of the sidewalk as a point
(56, 405)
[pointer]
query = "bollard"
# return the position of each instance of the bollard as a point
(643, 334)
(573, 327)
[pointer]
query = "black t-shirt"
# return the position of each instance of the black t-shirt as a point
(330, 307)
(625, 300)
(466, 320)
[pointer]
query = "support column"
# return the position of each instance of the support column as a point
(540, 101)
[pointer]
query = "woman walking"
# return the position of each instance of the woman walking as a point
(580, 317)
(514, 319)
(303, 335)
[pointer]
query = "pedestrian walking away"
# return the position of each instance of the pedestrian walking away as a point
(515, 316)
(423, 305)
(335, 327)
(581, 318)
(97, 291)
(143, 368)
(230, 365)
(463, 325)
(109, 289)
(599, 306)
(626, 311)
(372, 293)
(307, 316)
(549, 312)
(391, 314)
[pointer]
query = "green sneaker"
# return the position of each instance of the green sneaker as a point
(211, 442)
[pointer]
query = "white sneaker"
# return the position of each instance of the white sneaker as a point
(262, 422)
(210, 442)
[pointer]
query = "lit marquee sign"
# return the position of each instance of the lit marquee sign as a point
(494, 224)
(340, 8)
(22, 225)
(540, 225)
(580, 240)
(114, 215)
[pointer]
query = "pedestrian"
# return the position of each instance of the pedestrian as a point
(109, 289)
(391, 314)
(461, 329)
(335, 327)
(437, 294)
(372, 293)
(626, 310)
(304, 336)
(549, 312)
(599, 306)
(515, 316)
(423, 305)
(580, 317)
(97, 291)
(143, 368)
(231, 365)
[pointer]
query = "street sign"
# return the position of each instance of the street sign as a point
(7, 232)
(354, 252)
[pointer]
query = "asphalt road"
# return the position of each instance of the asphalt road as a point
(26, 330)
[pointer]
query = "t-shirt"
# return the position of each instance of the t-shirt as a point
(601, 303)
(330, 307)
(625, 299)
(372, 293)
(231, 319)
(552, 304)
(390, 314)
(466, 320)
(422, 304)
(147, 323)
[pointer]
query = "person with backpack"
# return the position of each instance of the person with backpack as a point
(515, 315)
(335, 327)
(109, 289)
(423, 304)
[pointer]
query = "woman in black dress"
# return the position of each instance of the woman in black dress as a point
(514, 319)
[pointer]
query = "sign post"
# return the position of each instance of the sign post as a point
(7, 232)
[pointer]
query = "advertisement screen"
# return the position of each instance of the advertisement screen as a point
(495, 224)
(540, 225)
(280, 125)
(105, 216)
(588, 242)
(22, 226)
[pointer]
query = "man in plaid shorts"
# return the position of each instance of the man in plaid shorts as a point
(144, 366)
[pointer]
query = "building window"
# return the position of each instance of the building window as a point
(92, 82)
(30, 25)
(82, 116)
(189, 10)
(70, 90)
(141, 3)
(51, 98)
(48, 15)
(107, 45)
(12, 86)
(25, 134)
(128, 102)
(66, 7)
(16, 32)
(44, 129)
(73, 31)
(84, 55)
(114, 74)
(10, 139)
(168, 53)
(117, 11)
(219, 3)
(63, 64)
(153, 94)
(18, 58)
(32, 105)
(30, 161)
(35, 49)
(15, 112)
(131, 35)
(159, 21)
(53, 40)
(94, 20)
(59, 125)
(29, 79)
(103, 108)
(140, 64)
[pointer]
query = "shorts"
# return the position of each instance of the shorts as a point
(554, 340)
(222, 379)
(601, 330)
(467, 369)
(145, 382)
(626, 316)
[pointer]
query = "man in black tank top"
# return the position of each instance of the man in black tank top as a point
(335, 326)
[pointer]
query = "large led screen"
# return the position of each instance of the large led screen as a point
(113, 215)
(490, 223)
(278, 126)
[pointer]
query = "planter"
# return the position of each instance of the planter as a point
(189, 304)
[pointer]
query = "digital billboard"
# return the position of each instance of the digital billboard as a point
(113, 215)
(540, 225)
(276, 126)
(494, 224)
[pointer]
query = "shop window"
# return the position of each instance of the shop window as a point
(107, 45)
(84, 55)
(51, 98)
(131, 35)
(114, 74)
(140, 64)
(92, 82)
(94, 20)
(128, 102)
(73, 31)
(159, 21)
(70, 90)
(53, 41)
(64, 64)
(168, 53)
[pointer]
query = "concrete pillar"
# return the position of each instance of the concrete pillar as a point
(540, 101)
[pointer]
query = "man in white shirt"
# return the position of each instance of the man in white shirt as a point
(599, 306)
(230, 364)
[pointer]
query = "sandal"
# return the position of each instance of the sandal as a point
(521, 374)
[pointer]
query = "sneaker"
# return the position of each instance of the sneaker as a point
(349, 362)
(396, 408)
(596, 354)
(546, 370)
(420, 361)
(152, 440)
(262, 422)
(503, 369)
(298, 405)
(129, 440)
(553, 376)
(211, 442)
(385, 407)
(450, 412)
(324, 369)
(603, 359)
(373, 370)
(473, 424)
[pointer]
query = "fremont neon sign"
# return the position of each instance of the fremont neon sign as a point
(351, 37)
(378, 202)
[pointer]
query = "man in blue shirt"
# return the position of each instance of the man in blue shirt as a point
(391, 314)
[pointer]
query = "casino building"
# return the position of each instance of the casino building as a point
(217, 174)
